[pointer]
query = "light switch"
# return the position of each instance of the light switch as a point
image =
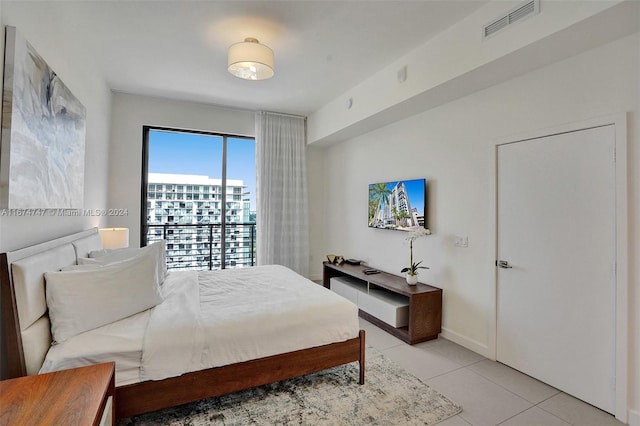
(460, 241)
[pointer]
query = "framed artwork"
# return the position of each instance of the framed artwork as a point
(43, 133)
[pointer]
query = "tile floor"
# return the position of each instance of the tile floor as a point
(489, 392)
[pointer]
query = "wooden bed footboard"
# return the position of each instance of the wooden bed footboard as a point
(149, 396)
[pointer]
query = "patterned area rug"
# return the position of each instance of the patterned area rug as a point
(390, 396)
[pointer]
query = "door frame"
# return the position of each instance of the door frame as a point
(619, 121)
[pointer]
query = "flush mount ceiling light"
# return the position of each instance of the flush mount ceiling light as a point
(250, 60)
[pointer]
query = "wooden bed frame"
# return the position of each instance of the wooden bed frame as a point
(149, 396)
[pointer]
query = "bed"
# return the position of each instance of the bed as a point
(240, 340)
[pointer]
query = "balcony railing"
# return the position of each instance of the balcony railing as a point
(199, 246)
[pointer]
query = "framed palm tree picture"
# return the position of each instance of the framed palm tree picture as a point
(398, 205)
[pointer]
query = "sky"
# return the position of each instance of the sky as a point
(197, 154)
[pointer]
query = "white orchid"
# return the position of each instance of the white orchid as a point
(416, 233)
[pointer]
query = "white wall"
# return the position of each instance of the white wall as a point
(130, 114)
(40, 26)
(453, 147)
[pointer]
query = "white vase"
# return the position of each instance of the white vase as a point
(412, 279)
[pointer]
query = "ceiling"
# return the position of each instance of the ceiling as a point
(177, 49)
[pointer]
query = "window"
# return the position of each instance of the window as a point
(192, 169)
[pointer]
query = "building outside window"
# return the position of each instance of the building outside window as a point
(200, 197)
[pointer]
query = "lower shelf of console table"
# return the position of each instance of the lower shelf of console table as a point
(424, 301)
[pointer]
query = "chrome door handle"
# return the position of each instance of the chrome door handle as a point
(504, 264)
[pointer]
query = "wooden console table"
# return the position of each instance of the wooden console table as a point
(425, 301)
(79, 396)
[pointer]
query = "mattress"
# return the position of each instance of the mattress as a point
(211, 319)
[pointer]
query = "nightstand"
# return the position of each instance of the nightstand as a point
(79, 396)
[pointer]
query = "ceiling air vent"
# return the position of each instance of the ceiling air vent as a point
(525, 10)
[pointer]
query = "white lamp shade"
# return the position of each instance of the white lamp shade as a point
(250, 60)
(113, 238)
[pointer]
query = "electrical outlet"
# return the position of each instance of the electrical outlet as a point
(461, 241)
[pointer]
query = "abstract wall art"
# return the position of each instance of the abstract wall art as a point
(43, 133)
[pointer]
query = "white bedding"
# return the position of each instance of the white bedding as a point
(120, 341)
(214, 318)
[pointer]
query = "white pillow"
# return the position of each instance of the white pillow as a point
(107, 256)
(84, 299)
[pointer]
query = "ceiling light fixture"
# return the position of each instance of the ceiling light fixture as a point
(250, 60)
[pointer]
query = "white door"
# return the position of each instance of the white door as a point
(556, 231)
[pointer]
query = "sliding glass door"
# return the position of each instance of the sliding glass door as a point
(198, 194)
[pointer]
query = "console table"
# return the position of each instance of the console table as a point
(425, 301)
(79, 396)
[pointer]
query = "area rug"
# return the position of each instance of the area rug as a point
(390, 396)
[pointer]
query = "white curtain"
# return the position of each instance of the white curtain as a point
(282, 216)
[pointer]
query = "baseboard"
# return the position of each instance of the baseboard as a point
(468, 343)
(634, 418)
